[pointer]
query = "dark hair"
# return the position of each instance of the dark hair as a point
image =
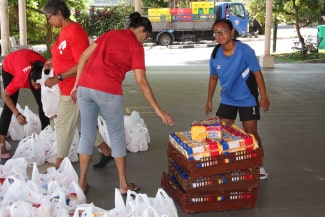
(224, 20)
(36, 71)
(54, 6)
(136, 20)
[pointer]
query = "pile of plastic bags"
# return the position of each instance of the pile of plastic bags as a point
(41, 148)
(57, 193)
(136, 205)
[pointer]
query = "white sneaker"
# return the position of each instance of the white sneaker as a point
(263, 173)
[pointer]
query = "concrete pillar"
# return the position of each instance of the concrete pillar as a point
(4, 19)
(267, 60)
(22, 22)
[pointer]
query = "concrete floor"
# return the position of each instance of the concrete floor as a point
(292, 133)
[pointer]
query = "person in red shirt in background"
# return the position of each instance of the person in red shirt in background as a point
(71, 42)
(20, 69)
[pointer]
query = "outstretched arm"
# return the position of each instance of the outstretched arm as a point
(142, 81)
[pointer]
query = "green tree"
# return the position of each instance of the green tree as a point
(36, 20)
(299, 13)
(154, 3)
(99, 20)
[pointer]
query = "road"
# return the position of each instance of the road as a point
(164, 56)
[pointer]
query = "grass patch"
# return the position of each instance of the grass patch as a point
(297, 57)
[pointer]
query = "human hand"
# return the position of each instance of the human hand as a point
(264, 103)
(50, 82)
(21, 119)
(167, 119)
(208, 108)
(73, 94)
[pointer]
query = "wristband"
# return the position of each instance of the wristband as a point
(18, 115)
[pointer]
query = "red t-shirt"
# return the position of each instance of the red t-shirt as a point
(71, 43)
(18, 64)
(117, 52)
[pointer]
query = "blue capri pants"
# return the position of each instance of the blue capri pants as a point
(111, 106)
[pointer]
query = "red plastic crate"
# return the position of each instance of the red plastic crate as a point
(209, 201)
(238, 179)
(218, 164)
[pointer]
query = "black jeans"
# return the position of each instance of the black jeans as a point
(7, 113)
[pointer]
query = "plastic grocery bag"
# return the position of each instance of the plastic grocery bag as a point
(21, 190)
(66, 172)
(4, 211)
(47, 138)
(33, 122)
(30, 149)
(164, 205)
(140, 205)
(150, 212)
(20, 209)
(14, 167)
(16, 131)
(136, 133)
(136, 203)
(102, 128)
(23, 209)
(89, 210)
(119, 210)
(50, 96)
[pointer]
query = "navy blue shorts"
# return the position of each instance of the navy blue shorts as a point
(245, 113)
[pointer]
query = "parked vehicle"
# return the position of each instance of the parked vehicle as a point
(195, 23)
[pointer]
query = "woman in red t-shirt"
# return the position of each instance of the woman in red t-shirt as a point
(101, 71)
(66, 50)
(20, 69)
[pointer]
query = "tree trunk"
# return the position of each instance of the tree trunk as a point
(49, 36)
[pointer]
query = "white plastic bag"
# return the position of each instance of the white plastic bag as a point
(33, 122)
(150, 212)
(14, 167)
(136, 133)
(102, 128)
(140, 205)
(30, 149)
(136, 203)
(20, 209)
(16, 131)
(50, 96)
(164, 205)
(136, 138)
(89, 210)
(21, 190)
(47, 139)
(119, 210)
(66, 173)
